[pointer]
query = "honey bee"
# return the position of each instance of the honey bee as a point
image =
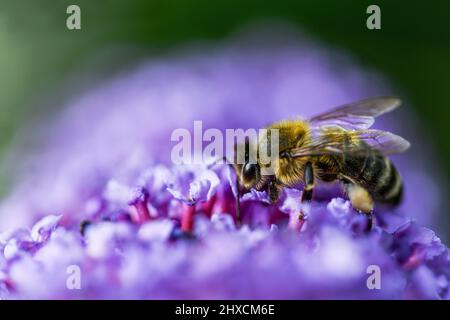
(334, 146)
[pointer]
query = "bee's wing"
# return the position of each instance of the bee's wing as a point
(349, 142)
(356, 116)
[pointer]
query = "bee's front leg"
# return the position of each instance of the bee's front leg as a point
(273, 190)
(308, 182)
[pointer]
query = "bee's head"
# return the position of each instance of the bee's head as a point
(246, 166)
(250, 175)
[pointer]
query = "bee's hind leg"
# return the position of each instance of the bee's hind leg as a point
(361, 201)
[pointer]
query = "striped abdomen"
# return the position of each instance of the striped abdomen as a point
(375, 173)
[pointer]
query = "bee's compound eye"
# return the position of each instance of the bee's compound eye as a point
(249, 171)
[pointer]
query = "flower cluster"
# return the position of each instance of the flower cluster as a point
(108, 202)
(184, 243)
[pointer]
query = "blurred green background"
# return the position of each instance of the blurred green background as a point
(38, 53)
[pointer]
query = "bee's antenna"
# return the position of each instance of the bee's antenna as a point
(218, 161)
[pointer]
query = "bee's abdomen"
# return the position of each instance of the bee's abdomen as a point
(388, 186)
(377, 175)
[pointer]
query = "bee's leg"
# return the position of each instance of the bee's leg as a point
(361, 201)
(308, 181)
(238, 203)
(274, 191)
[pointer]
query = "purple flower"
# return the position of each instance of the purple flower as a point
(152, 230)
(43, 228)
(193, 185)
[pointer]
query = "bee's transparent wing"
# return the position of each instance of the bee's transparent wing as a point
(349, 142)
(356, 116)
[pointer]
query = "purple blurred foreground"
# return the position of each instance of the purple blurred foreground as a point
(106, 160)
